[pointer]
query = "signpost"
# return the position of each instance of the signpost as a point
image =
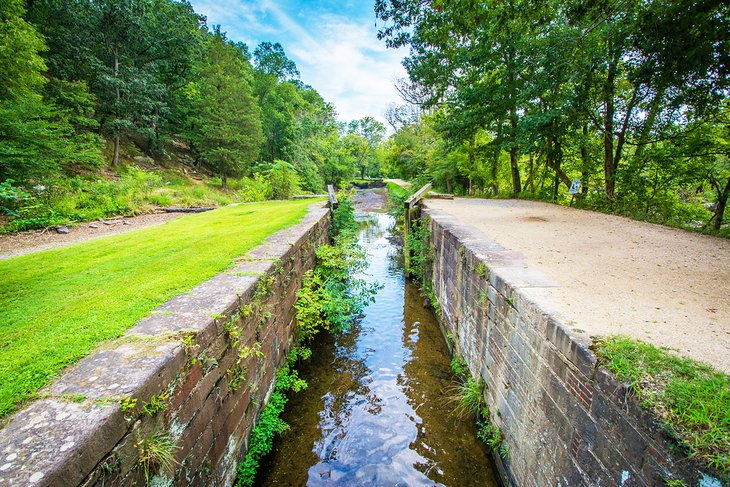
(574, 190)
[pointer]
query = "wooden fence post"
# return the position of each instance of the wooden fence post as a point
(331, 196)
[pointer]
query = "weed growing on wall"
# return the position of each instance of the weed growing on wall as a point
(156, 453)
(270, 423)
(691, 399)
(331, 296)
(329, 299)
(468, 396)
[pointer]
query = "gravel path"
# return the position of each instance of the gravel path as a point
(13, 245)
(618, 276)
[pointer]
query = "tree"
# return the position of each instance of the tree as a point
(227, 130)
(364, 136)
(131, 53)
(270, 59)
(36, 137)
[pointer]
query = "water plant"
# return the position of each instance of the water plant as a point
(490, 434)
(270, 423)
(329, 299)
(459, 366)
(331, 296)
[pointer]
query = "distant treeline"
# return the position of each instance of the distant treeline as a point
(521, 97)
(82, 79)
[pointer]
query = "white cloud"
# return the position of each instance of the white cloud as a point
(350, 67)
(340, 57)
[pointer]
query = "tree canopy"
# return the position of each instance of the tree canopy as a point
(545, 92)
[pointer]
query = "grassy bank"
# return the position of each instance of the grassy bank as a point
(57, 305)
(691, 399)
(128, 190)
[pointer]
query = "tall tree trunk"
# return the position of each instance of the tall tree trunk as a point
(115, 158)
(531, 174)
(513, 151)
(608, 113)
(514, 154)
(513, 159)
(722, 196)
(224, 182)
(495, 172)
(585, 161)
(649, 122)
(471, 166)
(559, 173)
(553, 160)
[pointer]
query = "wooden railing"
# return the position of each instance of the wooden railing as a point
(331, 196)
(412, 211)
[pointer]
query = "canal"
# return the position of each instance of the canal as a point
(377, 410)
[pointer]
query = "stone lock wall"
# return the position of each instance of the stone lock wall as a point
(195, 374)
(566, 421)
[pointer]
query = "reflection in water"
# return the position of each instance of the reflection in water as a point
(375, 412)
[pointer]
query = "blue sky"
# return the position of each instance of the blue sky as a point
(333, 43)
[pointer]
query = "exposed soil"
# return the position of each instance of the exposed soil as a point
(13, 245)
(618, 276)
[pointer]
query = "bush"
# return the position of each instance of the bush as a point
(256, 188)
(284, 180)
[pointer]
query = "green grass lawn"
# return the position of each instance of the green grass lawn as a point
(57, 305)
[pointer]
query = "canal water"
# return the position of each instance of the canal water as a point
(377, 409)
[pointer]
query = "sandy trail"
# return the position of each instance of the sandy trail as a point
(13, 245)
(618, 276)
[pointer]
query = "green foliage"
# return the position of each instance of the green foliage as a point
(227, 130)
(66, 307)
(155, 453)
(155, 404)
(397, 196)
(690, 398)
(417, 243)
(255, 188)
(270, 424)
(459, 366)
(535, 94)
(21, 67)
(128, 404)
(133, 191)
(331, 296)
(468, 396)
(283, 180)
(490, 434)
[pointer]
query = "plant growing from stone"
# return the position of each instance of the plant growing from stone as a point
(331, 296)
(467, 396)
(156, 453)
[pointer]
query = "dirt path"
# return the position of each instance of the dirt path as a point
(619, 276)
(399, 182)
(16, 244)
